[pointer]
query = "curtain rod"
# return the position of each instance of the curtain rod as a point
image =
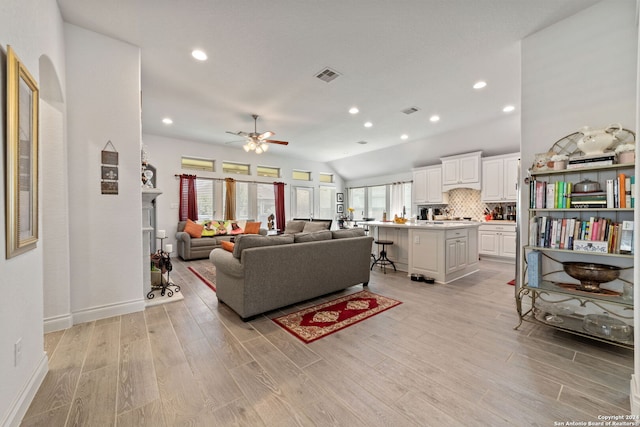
(237, 180)
(379, 185)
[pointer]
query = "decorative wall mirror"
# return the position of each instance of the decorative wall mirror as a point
(22, 158)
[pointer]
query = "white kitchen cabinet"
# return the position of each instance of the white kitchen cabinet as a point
(445, 254)
(427, 186)
(497, 240)
(500, 178)
(419, 186)
(461, 171)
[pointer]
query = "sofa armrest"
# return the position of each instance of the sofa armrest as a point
(184, 237)
(226, 263)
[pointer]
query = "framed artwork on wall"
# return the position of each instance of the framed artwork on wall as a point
(340, 208)
(340, 197)
(21, 158)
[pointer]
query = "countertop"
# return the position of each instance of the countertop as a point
(446, 224)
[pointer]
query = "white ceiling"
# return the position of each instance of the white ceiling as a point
(263, 57)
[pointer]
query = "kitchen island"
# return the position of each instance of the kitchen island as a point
(442, 250)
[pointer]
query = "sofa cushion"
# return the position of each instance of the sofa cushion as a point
(312, 237)
(351, 232)
(252, 228)
(219, 227)
(208, 232)
(227, 246)
(312, 226)
(246, 241)
(294, 226)
(192, 229)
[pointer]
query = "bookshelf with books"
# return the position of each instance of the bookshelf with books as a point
(593, 226)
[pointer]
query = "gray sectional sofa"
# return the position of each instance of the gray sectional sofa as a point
(190, 248)
(268, 272)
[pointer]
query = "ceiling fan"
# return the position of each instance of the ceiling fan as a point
(257, 142)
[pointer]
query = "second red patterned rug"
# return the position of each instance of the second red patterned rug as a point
(315, 322)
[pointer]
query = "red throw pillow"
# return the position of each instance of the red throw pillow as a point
(252, 228)
(227, 246)
(192, 229)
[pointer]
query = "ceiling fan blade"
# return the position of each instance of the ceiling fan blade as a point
(239, 133)
(266, 134)
(275, 141)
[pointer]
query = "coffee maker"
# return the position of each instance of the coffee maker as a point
(427, 214)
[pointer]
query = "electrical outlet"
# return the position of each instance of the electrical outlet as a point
(17, 352)
(416, 240)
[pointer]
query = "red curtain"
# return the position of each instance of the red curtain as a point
(188, 198)
(278, 188)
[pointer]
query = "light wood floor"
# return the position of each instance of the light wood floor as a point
(447, 356)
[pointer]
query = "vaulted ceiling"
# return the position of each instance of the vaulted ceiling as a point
(263, 58)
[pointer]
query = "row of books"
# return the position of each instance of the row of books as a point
(620, 193)
(602, 159)
(566, 233)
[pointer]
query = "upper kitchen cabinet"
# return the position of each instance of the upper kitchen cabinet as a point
(461, 171)
(500, 178)
(427, 186)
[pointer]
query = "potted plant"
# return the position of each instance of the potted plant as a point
(559, 161)
(626, 153)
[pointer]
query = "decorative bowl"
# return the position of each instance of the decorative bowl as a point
(400, 220)
(606, 326)
(591, 275)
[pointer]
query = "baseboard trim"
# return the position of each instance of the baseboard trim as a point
(58, 323)
(634, 396)
(20, 406)
(109, 310)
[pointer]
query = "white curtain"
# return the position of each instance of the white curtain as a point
(397, 199)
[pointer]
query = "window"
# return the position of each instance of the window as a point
(268, 171)
(326, 177)
(377, 201)
(236, 168)
(205, 192)
(301, 175)
(326, 198)
(197, 164)
(302, 202)
(356, 201)
(266, 203)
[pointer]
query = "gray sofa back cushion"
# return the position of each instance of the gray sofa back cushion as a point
(312, 226)
(351, 232)
(246, 241)
(313, 237)
(294, 226)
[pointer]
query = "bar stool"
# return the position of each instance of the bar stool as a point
(382, 260)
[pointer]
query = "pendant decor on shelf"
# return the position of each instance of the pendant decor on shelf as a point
(109, 183)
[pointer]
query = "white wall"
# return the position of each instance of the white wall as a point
(103, 104)
(165, 154)
(34, 29)
(580, 71)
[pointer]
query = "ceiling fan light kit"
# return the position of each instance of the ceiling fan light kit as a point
(257, 142)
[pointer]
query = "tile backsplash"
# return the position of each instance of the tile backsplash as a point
(465, 202)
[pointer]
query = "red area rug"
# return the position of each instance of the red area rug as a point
(512, 282)
(315, 322)
(207, 274)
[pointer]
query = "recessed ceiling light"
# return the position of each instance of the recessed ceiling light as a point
(434, 118)
(354, 110)
(479, 85)
(362, 142)
(368, 124)
(167, 121)
(404, 136)
(508, 108)
(199, 55)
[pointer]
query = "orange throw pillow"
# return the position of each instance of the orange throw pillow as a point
(192, 229)
(227, 246)
(252, 228)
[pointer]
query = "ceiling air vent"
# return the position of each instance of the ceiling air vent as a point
(410, 110)
(327, 75)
